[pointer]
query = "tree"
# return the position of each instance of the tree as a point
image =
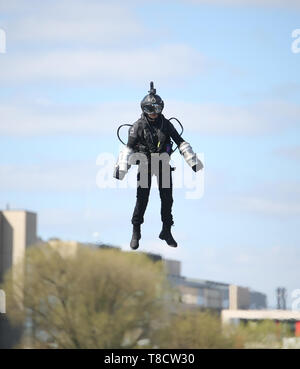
(261, 334)
(194, 330)
(93, 299)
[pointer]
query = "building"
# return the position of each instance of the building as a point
(196, 293)
(199, 293)
(205, 294)
(258, 300)
(17, 232)
(64, 248)
(239, 297)
(244, 298)
(235, 316)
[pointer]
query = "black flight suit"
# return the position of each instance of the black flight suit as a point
(148, 137)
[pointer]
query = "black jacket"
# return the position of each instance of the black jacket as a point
(150, 137)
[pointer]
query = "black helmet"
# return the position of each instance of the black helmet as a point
(152, 103)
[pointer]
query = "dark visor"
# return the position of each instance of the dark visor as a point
(152, 108)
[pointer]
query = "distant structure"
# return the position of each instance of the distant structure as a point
(17, 232)
(192, 293)
(104, 246)
(255, 312)
(229, 316)
(200, 293)
(242, 298)
(281, 298)
(64, 248)
(153, 257)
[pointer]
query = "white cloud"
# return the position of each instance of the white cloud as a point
(289, 152)
(257, 118)
(103, 66)
(280, 199)
(255, 3)
(76, 21)
(269, 206)
(49, 176)
(40, 118)
(85, 224)
(89, 41)
(99, 24)
(274, 199)
(43, 118)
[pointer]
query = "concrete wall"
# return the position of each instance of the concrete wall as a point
(239, 297)
(31, 229)
(234, 315)
(6, 241)
(65, 248)
(17, 232)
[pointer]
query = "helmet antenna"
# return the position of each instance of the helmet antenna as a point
(152, 89)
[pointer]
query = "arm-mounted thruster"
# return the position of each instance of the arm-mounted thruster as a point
(190, 157)
(122, 166)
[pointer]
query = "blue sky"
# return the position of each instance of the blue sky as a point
(75, 70)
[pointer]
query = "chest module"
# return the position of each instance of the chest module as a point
(161, 136)
(153, 135)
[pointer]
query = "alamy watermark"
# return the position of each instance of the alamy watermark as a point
(2, 41)
(296, 43)
(296, 300)
(183, 177)
(2, 302)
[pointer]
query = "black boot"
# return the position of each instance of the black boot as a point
(136, 236)
(166, 235)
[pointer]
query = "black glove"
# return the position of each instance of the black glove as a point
(197, 167)
(119, 174)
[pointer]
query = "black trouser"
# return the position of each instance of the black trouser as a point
(165, 192)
